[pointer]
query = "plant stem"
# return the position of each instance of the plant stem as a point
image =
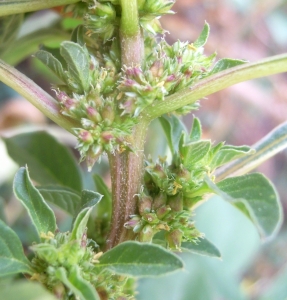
(217, 82)
(126, 174)
(132, 46)
(15, 7)
(127, 167)
(34, 94)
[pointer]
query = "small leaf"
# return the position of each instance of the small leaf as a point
(77, 59)
(81, 288)
(195, 152)
(202, 39)
(202, 247)
(28, 291)
(37, 150)
(140, 259)
(65, 198)
(195, 133)
(256, 195)
(40, 213)
(12, 258)
(228, 153)
(78, 35)
(52, 63)
(173, 129)
(226, 63)
(80, 223)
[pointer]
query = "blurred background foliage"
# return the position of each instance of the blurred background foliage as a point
(242, 114)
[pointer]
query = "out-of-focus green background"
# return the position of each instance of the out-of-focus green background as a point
(243, 114)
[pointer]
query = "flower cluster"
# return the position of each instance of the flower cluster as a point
(59, 257)
(167, 69)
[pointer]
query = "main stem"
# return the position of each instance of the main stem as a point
(127, 167)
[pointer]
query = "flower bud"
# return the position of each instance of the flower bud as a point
(174, 239)
(159, 200)
(176, 202)
(93, 114)
(108, 114)
(146, 234)
(85, 136)
(157, 69)
(132, 222)
(163, 211)
(144, 204)
(151, 218)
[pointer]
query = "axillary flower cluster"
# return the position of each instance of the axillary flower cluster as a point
(106, 98)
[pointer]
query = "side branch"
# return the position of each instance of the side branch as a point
(217, 82)
(34, 94)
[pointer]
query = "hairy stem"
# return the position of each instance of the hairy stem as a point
(127, 167)
(126, 174)
(34, 94)
(217, 82)
(19, 6)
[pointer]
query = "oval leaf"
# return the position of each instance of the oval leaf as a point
(12, 258)
(195, 152)
(80, 223)
(202, 247)
(41, 214)
(77, 284)
(202, 39)
(37, 150)
(140, 259)
(77, 59)
(65, 198)
(256, 197)
(52, 63)
(226, 63)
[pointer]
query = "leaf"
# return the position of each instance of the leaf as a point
(202, 247)
(12, 258)
(140, 259)
(271, 144)
(195, 152)
(77, 59)
(226, 63)
(257, 195)
(9, 28)
(2, 212)
(104, 208)
(40, 213)
(90, 198)
(65, 198)
(228, 153)
(52, 63)
(81, 288)
(78, 35)
(80, 223)
(173, 129)
(28, 291)
(37, 150)
(200, 42)
(195, 133)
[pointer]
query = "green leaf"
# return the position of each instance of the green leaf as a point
(226, 63)
(49, 161)
(52, 63)
(257, 198)
(80, 223)
(195, 152)
(202, 247)
(9, 27)
(40, 213)
(173, 129)
(28, 291)
(271, 144)
(104, 208)
(77, 59)
(12, 258)
(196, 131)
(200, 42)
(140, 259)
(65, 198)
(228, 153)
(90, 198)
(2, 213)
(78, 35)
(81, 288)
